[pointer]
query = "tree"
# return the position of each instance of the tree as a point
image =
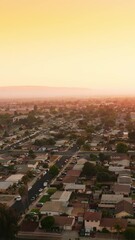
(45, 165)
(122, 147)
(8, 223)
(54, 170)
(32, 154)
(86, 147)
(93, 157)
(101, 156)
(5, 134)
(47, 222)
(89, 169)
(105, 176)
(80, 141)
(130, 233)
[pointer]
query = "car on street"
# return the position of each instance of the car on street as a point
(18, 198)
(40, 189)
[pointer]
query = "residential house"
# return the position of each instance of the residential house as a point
(116, 169)
(92, 221)
(14, 178)
(4, 186)
(111, 198)
(64, 222)
(124, 179)
(123, 189)
(75, 187)
(111, 223)
(124, 209)
(55, 208)
(61, 196)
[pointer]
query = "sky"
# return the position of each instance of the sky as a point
(68, 43)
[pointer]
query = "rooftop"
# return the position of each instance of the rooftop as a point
(124, 206)
(111, 222)
(61, 196)
(14, 178)
(93, 216)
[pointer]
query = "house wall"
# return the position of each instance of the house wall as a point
(2, 190)
(122, 214)
(69, 227)
(50, 213)
(89, 225)
(113, 230)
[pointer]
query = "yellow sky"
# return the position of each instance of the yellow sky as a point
(73, 43)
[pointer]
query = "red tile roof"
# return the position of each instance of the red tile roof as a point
(75, 173)
(111, 222)
(124, 206)
(93, 216)
(63, 220)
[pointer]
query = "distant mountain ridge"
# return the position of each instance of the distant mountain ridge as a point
(42, 92)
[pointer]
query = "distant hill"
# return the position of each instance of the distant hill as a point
(42, 92)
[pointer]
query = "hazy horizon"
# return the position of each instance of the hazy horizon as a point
(74, 44)
(16, 92)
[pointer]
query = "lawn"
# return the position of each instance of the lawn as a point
(44, 199)
(51, 191)
(34, 210)
(133, 197)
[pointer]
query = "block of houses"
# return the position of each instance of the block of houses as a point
(123, 189)
(124, 209)
(92, 221)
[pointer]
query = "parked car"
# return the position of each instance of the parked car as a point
(39, 204)
(33, 198)
(40, 189)
(18, 198)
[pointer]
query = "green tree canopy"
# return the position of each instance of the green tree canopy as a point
(54, 170)
(89, 169)
(122, 147)
(47, 222)
(80, 141)
(32, 154)
(86, 147)
(93, 157)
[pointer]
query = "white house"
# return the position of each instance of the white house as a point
(92, 221)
